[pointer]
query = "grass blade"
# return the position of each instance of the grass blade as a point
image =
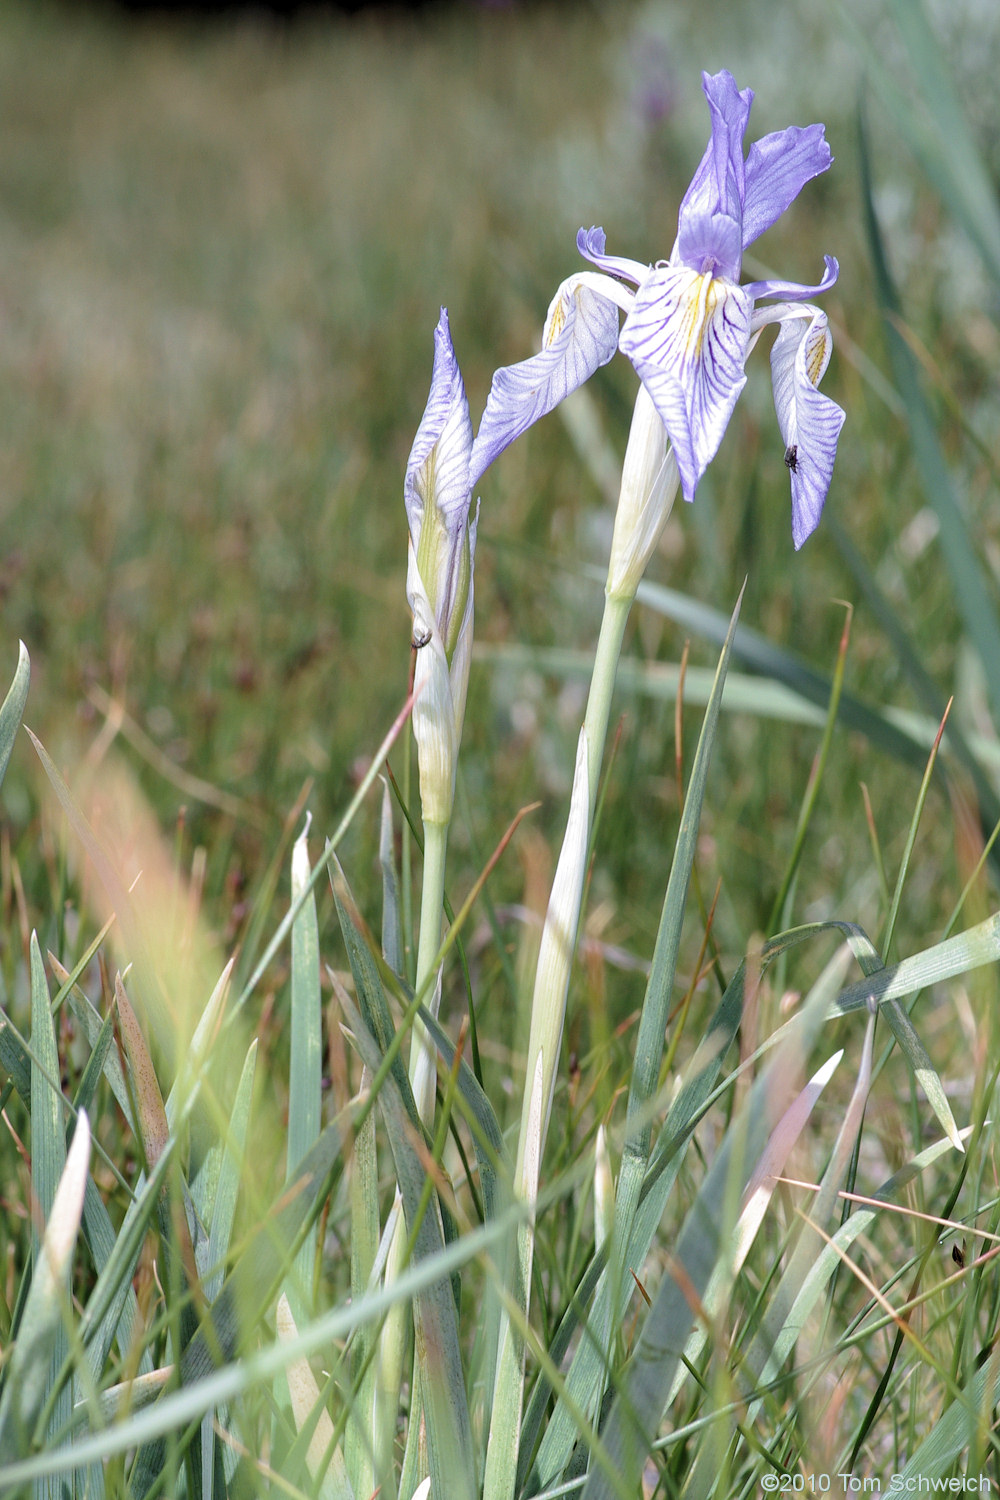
(902, 1027)
(449, 1434)
(976, 757)
(639, 1404)
(492, 1157)
(778, 685)
(329, 1473)
(48, 1160)
(780, 915)
(210, 1385)
(930, 119)
(227, 1189)
(827, 1260)
(12, 708)
(972, 598)
(496, 1175)
(248, 1292)
(113, 1299)
(306, 1050)
(445, 1405)
(364, 1462)
(810, 1243)
(697, 1090)
(911, 838)
(231, 1174)
(756, 1200)
(42, 1328)
(956, 955)
(153, 1002)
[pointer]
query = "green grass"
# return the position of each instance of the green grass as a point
(222, 254)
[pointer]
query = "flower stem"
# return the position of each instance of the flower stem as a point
(548, 1011)
(395, 1331)
(602, 682)
(422, 1069)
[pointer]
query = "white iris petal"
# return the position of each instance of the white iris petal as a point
(810, 422)
(688, 336)
(581, 333)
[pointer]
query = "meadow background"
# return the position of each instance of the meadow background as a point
(223, 248)
(222, 252)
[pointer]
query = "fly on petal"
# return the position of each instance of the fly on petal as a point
(692, 325)
(810, 422)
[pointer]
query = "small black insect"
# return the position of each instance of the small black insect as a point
(958, 1254)
(792, 457)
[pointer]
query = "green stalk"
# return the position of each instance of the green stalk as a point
(422, 1051)
(422, 1072)
(548, 1008)
(547, 1016)
(602, 682)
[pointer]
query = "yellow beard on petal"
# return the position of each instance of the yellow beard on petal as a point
(817, 354)
(703, 297)
(555, 323)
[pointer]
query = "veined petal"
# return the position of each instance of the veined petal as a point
(778, 167)
(459, 649)
(437, 472)
(580, 335)
(687, 336)
(711, 243)
(437, 492)
(810, 423)
(591, 242)
(790, 291)
(716, 190)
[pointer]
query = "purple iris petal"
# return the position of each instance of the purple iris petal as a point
(777, 169)
(717, 187)
(688, 337)
(437, 472)
(590, 243)
(810, 422)
(792, 291)
(708, 242)
(691, 325)
(581, 334)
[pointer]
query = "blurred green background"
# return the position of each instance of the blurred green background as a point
(223, 248)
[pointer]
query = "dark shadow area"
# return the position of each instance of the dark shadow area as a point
(305, 10)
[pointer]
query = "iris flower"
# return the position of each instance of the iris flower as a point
(690, 325)
(442, 470)
(438, 496)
